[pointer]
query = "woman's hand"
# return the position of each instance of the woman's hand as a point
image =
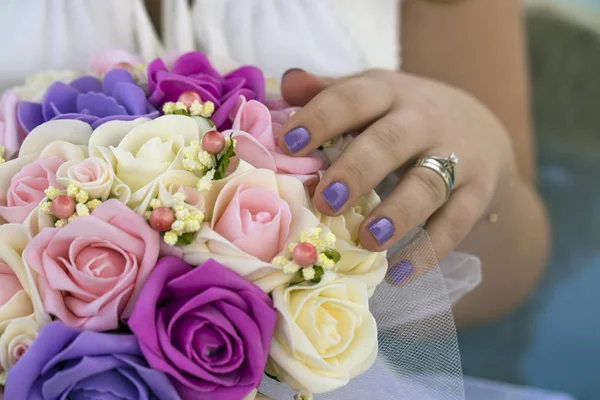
(401, 118)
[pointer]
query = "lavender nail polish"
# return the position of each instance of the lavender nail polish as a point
(296, 139)
(381, 229)
(336, 195)
(399, 272)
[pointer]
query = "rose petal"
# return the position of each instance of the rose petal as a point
(59, 99)
(192, 63)
(113, 78)
(87, 84)
(132, 97)
(99, 105)
(30, 115)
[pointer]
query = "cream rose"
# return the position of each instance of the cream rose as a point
(139, 151)
(36, 85)
(334, 148)
(356, 261)
(93, 175)
(21, 310)
(256, 215)
(66, 140)
(325, 334)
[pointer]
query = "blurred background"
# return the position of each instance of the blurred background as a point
(553, 342)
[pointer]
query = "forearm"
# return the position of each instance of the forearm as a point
(513, 252)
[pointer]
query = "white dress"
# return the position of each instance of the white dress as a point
(38, 35)
(325, 37)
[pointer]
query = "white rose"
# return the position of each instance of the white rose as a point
(325, 334)
(21, 310)
(333, 149)
(356, 261)
(93, 175)
(140, 150)
(67, 139)
(15, 341)
(36, 85)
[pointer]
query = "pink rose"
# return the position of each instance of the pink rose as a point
(27, 187)
(256, 220)
(9, 282)
(104, 61)
(11, 134)
(256, 132)
(90, 272)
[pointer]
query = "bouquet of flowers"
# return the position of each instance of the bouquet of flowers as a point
(156, 243)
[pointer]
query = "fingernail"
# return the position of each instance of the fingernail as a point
(399, 272)
(291, 70)
(381, 229)
(336, 195)
(296, 139)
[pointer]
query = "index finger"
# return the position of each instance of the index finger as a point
(345, 107)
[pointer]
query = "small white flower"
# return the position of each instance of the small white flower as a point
(52, 193)
(280, 261)
(206, 159)
(180, 106)
(192, 225)
(60, 223)
(205, 183)
(169, 108)
(324, 261)
(291, 268)
(155, 203)
(196, 108)
(82, 196)
(170, 238)
(178, 197)
(207, 109)
(177, 226)
(45, 207)
(72, 190)
(82, 210)
(182, 214)
(92, 204)
(308, 273)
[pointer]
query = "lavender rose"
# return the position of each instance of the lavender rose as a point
(116, 97)
(64, 363)
(193, 72)
(207, 328)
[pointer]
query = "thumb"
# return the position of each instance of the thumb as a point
(298, 87)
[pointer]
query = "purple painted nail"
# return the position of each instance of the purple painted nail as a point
(336, 195)
(382, 229)
(296, 139)
(399, 272)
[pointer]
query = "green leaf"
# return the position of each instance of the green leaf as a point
(185, 239)
(333, 255)
(181, 112)
(318, 274)
(224, 161)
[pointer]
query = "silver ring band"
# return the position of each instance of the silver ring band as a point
(444, 168)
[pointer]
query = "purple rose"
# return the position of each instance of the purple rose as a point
(208, 328)
(88, 99)
(194, 72)
(63, 363)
